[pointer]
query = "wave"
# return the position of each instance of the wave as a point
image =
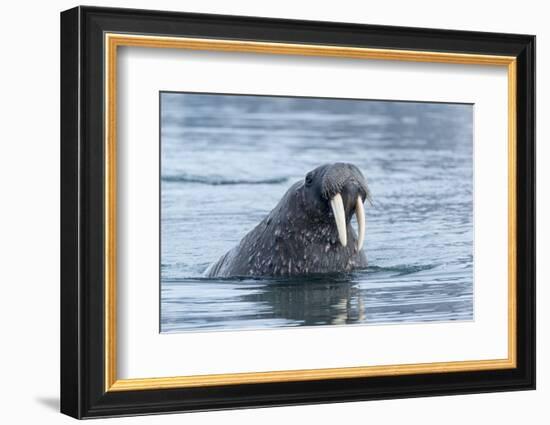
(220, 181)
(195, 273)
(400, 270)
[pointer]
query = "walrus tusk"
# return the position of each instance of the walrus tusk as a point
(360, 214)
(337, 205)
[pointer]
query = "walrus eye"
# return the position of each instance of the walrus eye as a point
(309, 180)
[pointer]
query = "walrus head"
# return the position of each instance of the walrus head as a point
(336, 192)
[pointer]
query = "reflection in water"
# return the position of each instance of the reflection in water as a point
(227, 160)
(321, 300)
(311, 301)
(337, 299)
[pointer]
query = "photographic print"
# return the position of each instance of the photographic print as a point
(294, 211)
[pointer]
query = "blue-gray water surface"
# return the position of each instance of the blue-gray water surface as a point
(226, 160)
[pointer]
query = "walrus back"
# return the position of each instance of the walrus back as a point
(222, 267)
(234, 262)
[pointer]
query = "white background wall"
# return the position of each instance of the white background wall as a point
(29, 224)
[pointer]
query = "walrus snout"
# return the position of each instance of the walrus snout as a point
(341, 176)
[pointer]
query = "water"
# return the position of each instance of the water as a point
(227, 160)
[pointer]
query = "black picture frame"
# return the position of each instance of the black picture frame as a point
(83, 392)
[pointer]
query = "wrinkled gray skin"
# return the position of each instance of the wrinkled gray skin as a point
(299, 236)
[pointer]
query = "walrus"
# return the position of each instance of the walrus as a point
(308, 231)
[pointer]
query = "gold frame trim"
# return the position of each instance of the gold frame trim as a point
(113, 41)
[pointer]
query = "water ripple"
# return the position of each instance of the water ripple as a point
(219, 180)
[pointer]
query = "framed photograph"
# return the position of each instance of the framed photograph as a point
(261, 212)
